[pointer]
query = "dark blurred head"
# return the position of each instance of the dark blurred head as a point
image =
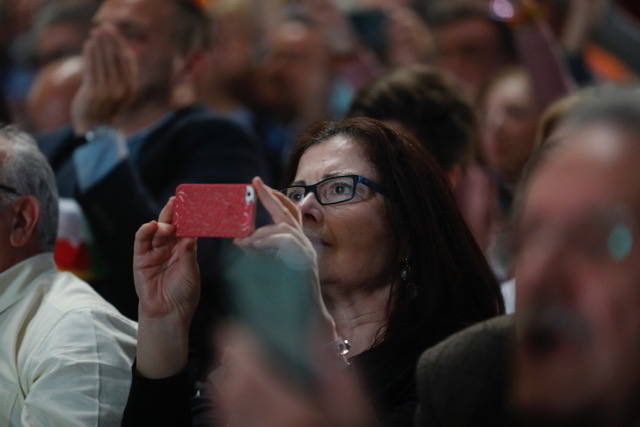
(509, 119)
(578, 267)
(470, 44)
(164, 37)
(60, 29)
(297, 67)
(447, 283)
(425, 103)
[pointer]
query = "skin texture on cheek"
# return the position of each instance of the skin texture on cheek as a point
(356, 234)
(362, 244)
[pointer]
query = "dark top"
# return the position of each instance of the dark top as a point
(388, 372)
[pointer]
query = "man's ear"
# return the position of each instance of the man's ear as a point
(26, 214)
(188, 75)
(189, 66)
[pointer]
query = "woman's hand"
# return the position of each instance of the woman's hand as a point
(167, 281)
(287, 241)
(165, 270)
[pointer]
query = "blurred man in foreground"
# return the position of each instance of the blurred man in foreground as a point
(578, 271)
(577, 324)
(66, 353)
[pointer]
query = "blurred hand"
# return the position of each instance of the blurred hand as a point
(410, 41)
(167, 282)
(249, 392)
(109, 81)
(286, 239)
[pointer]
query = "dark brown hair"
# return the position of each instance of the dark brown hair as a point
(192, 26)
(429, 105)
(449, 284)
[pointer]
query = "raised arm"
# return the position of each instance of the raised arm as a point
(167, 282)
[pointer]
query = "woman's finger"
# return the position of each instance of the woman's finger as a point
(165, 235)
(167, 211)
(144, 237)
(289, 205)
(272, 204)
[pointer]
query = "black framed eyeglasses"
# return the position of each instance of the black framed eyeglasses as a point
(10, 190)
(329, 191)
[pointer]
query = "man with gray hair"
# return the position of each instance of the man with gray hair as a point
(66, 353)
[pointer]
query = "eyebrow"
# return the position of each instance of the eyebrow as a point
(325, 176)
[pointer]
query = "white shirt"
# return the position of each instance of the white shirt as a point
(65, 353)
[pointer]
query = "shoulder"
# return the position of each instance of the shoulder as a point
(473, 342)
(199, 121)
(465, 377)
(69, 306)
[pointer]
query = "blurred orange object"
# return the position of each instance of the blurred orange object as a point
(605, 65)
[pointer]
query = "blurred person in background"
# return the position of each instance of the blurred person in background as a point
(60, 29)
(510, 116)
(469, 44)
(129, 146)
(424, 102)
(298, 71)
(33, 27)
(369, 214)
(233, 51)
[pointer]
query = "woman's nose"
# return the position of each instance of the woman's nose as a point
(310, 208)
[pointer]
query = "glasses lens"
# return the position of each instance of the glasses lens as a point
(295, 194)
(335, 190)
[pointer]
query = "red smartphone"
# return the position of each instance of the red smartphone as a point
(214, 210)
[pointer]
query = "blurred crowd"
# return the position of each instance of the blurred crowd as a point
(500, 134)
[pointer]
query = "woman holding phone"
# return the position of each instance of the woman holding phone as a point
(395, 267)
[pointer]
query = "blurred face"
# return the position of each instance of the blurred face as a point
(297, 68)
(470, 49)
(509, 126)
(352, 239)
(578, 277)
(147, 28)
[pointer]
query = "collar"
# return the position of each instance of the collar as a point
(16, 280)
